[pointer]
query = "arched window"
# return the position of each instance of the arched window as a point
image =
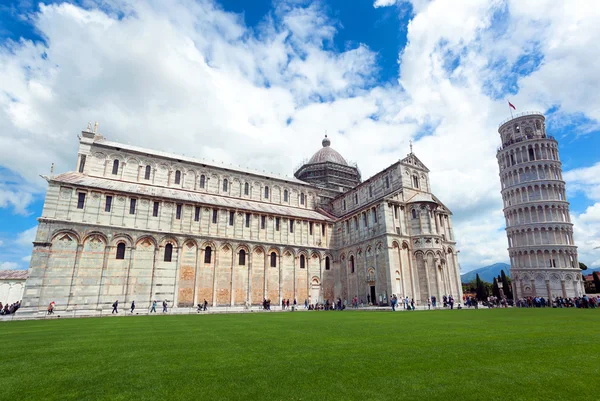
(177, 177)
(225, 185)
(327, 265)
(285, 195)
(147, 173)
(121, 251)
(302, 199)
(415, 181)
(202, 181)
(266, 192)
(207, 254)
(242, 261)
(414, 214)
(351, 264)
(115, 169)
(273, 259)
(302, 262)
(168, 252)
(246, 189)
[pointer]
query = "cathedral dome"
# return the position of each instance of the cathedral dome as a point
(327, 154)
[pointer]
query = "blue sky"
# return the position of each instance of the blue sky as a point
(257, 83)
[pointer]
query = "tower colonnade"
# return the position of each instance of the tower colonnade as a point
(542, 250)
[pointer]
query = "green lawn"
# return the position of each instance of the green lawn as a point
(513, 354)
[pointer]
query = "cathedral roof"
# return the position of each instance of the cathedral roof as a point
(186, 195)
(13, 274)
(327, 154)
(414, 161)
(421, 197)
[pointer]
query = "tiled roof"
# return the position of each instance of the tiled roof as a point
(137, 149)
(13, 274)
(187, 196)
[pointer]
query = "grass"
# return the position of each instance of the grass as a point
(515, 354)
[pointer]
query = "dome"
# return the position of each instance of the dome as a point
(327, 154)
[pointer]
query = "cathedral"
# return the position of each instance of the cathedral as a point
(134, 224)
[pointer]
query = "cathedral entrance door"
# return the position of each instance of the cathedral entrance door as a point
(373, 295)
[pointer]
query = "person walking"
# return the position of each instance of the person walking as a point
(205, 304)
(412, 304)
(153, 307)
(50, 308)
(132, 306)
(428, 304)
(115, 307)
(165, 306)
(306, 304)
(287, 304)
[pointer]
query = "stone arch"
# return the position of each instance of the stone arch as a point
(92, 234)
(288, 251)
(147, 240)
(73, 235)
(122, 237)
(168, 239)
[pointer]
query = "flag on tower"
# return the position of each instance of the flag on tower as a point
(511, 105)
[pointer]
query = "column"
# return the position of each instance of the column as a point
(214, 291)
(131, 256)
(73, 275)
(281, 277)
(231, 287)
(176, 283)
(249, 293)
(198, 255)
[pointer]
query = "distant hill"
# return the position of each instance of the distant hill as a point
(486, 273)
(590, 271)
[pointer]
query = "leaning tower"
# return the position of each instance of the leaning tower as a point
(543, 255)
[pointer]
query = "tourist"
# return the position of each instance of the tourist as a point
(393, 302)
(287, 304)
(428, 304)
(153, 307)
(115, 306)
(412, 304)
(165, 306)
(205, 304)
(132, 306)
(51, 308)
(305, 303)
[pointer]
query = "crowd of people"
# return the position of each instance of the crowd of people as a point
(559, 302)
(406, 303)
(9, 309)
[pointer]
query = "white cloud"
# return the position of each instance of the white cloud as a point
(586, 180)
(384, 3)
(25, 238)
(198, 81)
(26, 259)
(1, 242)
(587, 235)
(8, 265)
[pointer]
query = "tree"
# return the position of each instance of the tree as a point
(596, 282)
(582, 266)
(506, 285)
(495, 289)
(481, 289)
